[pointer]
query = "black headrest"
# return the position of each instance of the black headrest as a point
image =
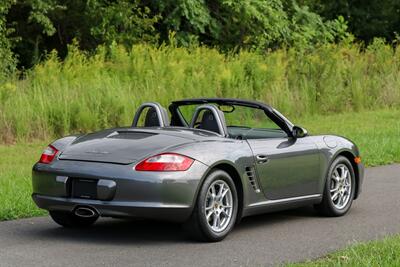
(151, 118)
(156, 115)
(209, 122)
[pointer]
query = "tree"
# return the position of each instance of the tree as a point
(39, 26)
(367, 19)
(246, 24)
(7, 60)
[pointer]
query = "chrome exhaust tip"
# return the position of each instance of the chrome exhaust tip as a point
(85, 212)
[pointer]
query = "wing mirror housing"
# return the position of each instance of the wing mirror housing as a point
(299, 132)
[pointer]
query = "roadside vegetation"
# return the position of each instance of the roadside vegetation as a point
(384, 252)
(15, 180)
(88, 92)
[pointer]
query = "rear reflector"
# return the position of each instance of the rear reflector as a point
(165, 162)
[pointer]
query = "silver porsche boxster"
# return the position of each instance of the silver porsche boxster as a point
(206, 163)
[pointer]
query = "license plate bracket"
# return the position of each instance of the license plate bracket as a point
(84, 188)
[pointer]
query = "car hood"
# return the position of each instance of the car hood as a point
(121, 146)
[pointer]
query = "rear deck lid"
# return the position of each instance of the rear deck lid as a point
(122, 147)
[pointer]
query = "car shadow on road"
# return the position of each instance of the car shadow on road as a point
(119, 232)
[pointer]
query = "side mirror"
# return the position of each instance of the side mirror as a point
(299, 132)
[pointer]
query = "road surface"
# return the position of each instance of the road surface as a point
(268, 239)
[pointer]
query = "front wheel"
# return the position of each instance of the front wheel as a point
(216, 208)
(339, 188)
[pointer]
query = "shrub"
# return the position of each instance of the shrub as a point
(89, 92)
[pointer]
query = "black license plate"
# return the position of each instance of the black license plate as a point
(84, 188)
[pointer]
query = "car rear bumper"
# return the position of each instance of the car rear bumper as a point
(120, 209)
(119, 190)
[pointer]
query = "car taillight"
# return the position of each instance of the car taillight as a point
(48, 154)
(165, 162)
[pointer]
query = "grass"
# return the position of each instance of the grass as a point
(15, 180)
(378, 144)
(376, 133)
(88, 92)
(384, 252)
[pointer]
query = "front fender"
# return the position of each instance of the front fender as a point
(333, 146)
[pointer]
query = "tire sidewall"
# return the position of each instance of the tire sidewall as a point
(337, 161)
(212, 177)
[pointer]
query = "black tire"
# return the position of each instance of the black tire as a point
(197, 226)
(327, 206)
(70, 220)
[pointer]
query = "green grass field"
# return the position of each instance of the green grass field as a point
(384, 252)
(15, 183)
(376, 133)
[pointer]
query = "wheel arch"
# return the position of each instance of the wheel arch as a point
(229, 168)
(350, 156)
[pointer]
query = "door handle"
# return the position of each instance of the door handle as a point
(262, 159)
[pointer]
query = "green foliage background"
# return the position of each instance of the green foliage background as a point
(88, 92)
(35, 27)
(30, 29)
(80, 65)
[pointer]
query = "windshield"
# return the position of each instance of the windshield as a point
(242, 122)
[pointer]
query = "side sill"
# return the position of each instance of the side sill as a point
(281, 204)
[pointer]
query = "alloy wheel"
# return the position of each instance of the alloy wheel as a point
(218, 206)
(340, 186)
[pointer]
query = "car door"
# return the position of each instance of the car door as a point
(286, 167)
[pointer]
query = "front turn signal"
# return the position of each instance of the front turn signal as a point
(357, 160)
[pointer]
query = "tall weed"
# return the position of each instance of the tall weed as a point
(89, 92)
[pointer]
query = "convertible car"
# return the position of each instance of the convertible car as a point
(206, 163)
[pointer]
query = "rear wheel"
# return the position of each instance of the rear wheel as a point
(339, 188)
(216, 208)
(68, 219)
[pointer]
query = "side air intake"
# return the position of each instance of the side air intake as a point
(252, 179)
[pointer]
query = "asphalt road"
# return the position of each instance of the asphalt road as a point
(268, 239)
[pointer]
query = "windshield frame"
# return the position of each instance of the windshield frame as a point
(178, 119)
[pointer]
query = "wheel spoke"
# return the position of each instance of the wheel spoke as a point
(210, 207)
(336, 176)
(224, 193)
(218, 224)
(209, 215)
(341, 198)
(213, 193)
(220, 191)
(214, 220)
(335, 188)
(334, 197)
(345, 173)
(225, 213)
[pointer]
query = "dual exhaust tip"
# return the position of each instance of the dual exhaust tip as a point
(86, 212)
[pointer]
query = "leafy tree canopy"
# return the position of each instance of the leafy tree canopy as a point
(29, 29)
